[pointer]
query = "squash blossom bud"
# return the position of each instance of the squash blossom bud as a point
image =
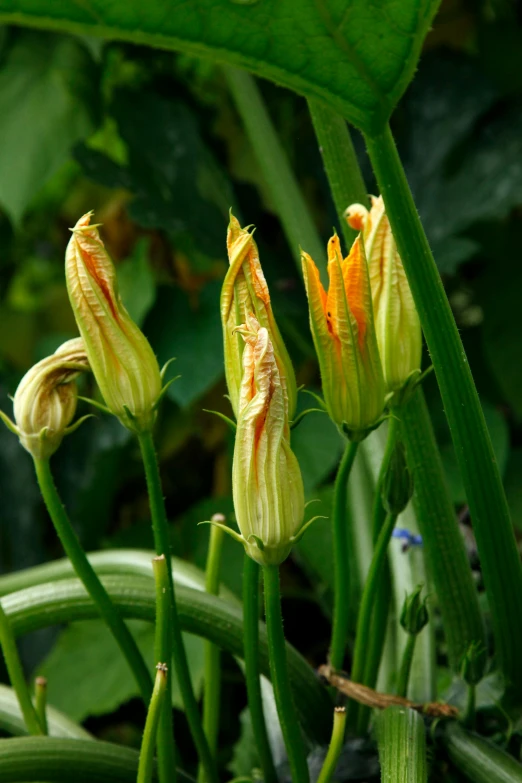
(123, 363)
(397, 324)
(45, 400)
(266, 479)
(245, 293)
(342, 327)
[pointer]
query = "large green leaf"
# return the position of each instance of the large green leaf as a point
(355, 55)
(46, 105)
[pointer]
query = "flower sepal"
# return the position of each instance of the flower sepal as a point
(356, 436)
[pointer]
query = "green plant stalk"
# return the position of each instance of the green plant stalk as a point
(340, 163)
(163, 653)
(402, 746)
(288, 200)
(40, 702)
(155, 712)
(443, 544)
(496, 543)
(12, 720)
(341, 607)
(469, 718)
(294, 743)
(478, 759)
(251, 574)
(212, 677)
(405, 669)
(218, 620)
(160, 529)
(371, 590)
(16, 675)
(335, 747)
(86, 573)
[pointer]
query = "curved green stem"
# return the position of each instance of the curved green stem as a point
(252, 668)
(86, 573)
(496, 543)
(16, 675)
(371, 589)
(154, 713)
(212, 678)
(477, 758)
(404, 672)
(335, 747)
(341, 609)
(163, 653)
(295, 746)
(160, 529)
(40, 702)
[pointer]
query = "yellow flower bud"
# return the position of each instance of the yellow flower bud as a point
(266, 478)
(342, 327)
(245, 293)
(123, 363)
(397, 323)
(45, 400)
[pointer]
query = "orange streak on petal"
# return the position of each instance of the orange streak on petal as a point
(354, 274)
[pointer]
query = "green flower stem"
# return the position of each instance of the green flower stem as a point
(370, 592)
(16, 675)
(471, 706)
(84, 570)
(288, 200)
(252, 668)
(340, 162)
(407, 659)
(341, 609)
(402, 746)
(160, 529)
(496, 543)
(40, 702)
(478, 759)
(154, 713)
(295, 746)
(336, 745)
(163, 652)
(212, 678)
(443, 546)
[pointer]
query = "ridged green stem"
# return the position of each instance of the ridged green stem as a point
(212, 677)
(294, 743)
(40, 702)
(370, 592)
(478, 759)
(496, 543)
(86, 573)
(163, 654)
(160, 529)
(251, 573)
(341, 608)
(402, 746)
(289, 203)
(405, 669)
(154, 713)
(335, 747)
(16, 675)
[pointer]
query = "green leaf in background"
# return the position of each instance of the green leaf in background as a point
(317, 445)
(47, 103)
(87, 676)
(136, 282)
(244, 754)
(355, 55)
(189, 330)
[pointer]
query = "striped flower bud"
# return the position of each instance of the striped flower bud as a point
(45, 400)
(397, 323)
(245, 293)
(342, 327)
(123, 363)
(266, 479)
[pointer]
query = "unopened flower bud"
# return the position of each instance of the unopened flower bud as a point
(397, 323)
(123, 363)
(397, 486)
(245, 293)
(266, 479)
(45, 401)
(473, 663)
(414, 614)
(342, 327)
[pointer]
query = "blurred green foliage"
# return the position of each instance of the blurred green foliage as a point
(151, 141)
